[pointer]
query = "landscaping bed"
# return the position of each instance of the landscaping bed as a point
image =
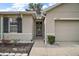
(16, 48)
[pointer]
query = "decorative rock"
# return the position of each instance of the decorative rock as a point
(18, 54)
(14, 49)
(11, 54)
(5, 54)
(1, 54)
(24, 54)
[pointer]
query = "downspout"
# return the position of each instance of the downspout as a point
(45, 32)
(45, 36)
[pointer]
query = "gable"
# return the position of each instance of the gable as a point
(66, 10)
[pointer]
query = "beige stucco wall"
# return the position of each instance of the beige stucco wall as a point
(62, 11)
(27, 24)
(70, 10)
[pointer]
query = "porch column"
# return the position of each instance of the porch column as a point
(21, 15)
(45, 31)
(1, 27)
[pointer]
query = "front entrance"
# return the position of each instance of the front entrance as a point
(39, 29)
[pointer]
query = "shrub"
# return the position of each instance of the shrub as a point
(51, 39)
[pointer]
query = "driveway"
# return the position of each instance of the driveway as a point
(58, 49)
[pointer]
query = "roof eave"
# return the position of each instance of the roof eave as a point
(17, 12)
(52, 7)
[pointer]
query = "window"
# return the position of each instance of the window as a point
(12, 25)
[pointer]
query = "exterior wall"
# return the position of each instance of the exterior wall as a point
(27, 24)
(26, 34)
(68, 10)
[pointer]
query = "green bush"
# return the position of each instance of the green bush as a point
(51, 39)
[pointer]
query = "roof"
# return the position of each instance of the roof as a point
(52, 7)
(17, 12)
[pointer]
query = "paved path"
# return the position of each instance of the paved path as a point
(63, 49)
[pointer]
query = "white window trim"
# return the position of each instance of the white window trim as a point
(9, 26)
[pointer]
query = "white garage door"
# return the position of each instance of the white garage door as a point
(67, 30)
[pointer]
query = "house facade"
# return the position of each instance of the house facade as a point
(61, 21)
(16, 25)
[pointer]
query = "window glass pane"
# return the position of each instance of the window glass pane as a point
(13, 28)
(13, 25)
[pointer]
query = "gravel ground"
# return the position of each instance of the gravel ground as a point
(16, 48)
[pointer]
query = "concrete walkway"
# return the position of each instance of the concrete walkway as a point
(58, 49)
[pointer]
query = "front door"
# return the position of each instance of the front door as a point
(39, 28)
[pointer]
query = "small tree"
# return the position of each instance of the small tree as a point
(36, 7)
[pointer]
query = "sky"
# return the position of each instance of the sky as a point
(19, 6)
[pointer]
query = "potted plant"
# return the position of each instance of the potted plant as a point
(51, 39)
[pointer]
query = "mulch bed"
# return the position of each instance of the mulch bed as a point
(16, 48)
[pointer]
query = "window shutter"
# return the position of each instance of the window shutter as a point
(19, 25)
(5, 24)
